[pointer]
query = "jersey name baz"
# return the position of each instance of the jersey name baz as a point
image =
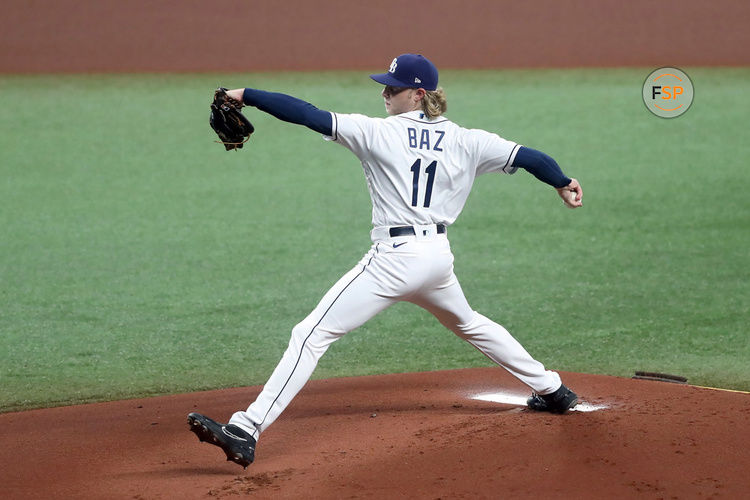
(425, 139)
(420, 171)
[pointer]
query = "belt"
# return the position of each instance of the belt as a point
(409, 230)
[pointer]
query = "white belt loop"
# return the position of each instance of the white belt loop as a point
(424, 231)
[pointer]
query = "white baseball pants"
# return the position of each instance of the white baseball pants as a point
(417, 269)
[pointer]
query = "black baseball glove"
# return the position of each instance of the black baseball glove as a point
(232, 127)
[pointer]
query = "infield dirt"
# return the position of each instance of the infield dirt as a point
(394, 436)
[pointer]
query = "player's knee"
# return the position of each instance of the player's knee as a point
(309, 332)
(468, 327)
(311, 339)
(300, 332)
(466, 323)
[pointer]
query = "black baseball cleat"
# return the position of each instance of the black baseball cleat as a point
(559, 401)
(238, 445)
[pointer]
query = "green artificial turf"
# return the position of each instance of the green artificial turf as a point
(138, 257)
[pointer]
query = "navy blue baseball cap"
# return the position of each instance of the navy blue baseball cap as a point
(410, 70)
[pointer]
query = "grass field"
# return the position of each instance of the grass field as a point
(138, 257)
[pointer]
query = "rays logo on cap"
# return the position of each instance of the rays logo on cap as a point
(411, 71)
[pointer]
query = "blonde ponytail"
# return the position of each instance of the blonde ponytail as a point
(434, 103)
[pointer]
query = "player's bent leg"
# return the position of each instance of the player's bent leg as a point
(449, 305)
(495, 342)
(353, 300)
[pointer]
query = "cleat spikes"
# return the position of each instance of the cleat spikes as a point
(237, 444)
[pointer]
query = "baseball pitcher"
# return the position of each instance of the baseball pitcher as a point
(420, 168)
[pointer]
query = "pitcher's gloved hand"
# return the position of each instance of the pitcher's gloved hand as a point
(232, 127)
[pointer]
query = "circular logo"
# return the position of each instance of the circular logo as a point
(668, 92)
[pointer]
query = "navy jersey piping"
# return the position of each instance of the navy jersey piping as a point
(423, 123)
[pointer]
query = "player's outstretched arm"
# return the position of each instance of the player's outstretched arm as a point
(286, 108)
(546, 169)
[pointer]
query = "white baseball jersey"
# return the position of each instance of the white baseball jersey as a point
(420, 171)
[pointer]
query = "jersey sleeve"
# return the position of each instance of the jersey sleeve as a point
(495, 154)
(353, 131)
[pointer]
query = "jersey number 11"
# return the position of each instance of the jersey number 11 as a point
(430, 171)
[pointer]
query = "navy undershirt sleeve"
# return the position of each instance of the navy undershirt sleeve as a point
(290, 109)
(541, 166)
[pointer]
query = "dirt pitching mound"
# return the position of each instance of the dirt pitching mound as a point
(449, 434)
